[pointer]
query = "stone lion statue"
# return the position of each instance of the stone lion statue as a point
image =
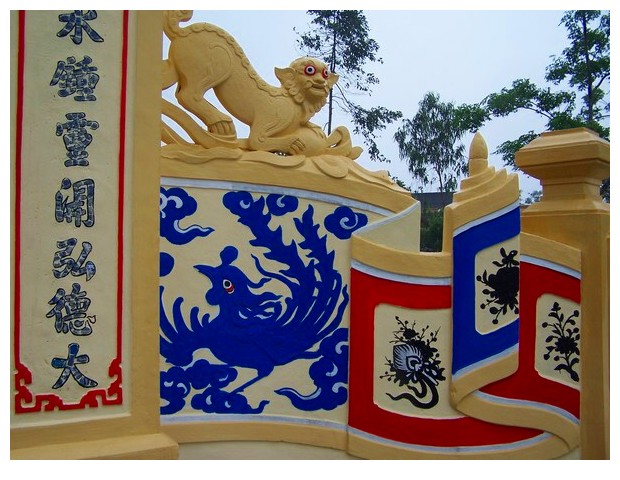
(203, 57)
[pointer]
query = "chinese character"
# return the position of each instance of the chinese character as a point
(76, 77)
(69, 368)
(77, 267)
(83, 204)
(69, 311)
(77, 21)
(77, 138)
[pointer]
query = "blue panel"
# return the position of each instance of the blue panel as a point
(469, 346)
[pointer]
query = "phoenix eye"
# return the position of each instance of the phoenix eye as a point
(310, 70)
(325, 73)
(228, 286)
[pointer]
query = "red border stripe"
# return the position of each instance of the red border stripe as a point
(121, 185)
(19, 120)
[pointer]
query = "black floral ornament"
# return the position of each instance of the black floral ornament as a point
(415, 365)
(564, 341)
(503, 286)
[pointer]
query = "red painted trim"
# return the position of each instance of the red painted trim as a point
(121, 198)
(366, 293)
(19, 121)
(113, 395)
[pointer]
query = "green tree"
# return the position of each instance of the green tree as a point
(585, 64)
(431, 230)
(430, 143)
(400, 183)
(431, 222)
(583, 67)
(533, 197)
(341, 39)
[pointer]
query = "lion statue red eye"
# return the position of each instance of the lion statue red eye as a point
(325, 73)
(310, 70)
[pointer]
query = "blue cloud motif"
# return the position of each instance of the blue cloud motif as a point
(173, 387)
(344, 222)
(204, 374)
(279, 205)
(243, 204)
(166, 263)
(214, 400)
(174, 205)
(330, 375)
(176, 383)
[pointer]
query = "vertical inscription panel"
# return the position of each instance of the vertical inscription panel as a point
(69, 209)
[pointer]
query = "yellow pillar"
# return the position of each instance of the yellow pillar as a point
(571, 165)
(65, 421)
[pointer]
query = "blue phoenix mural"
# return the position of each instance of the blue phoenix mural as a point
(256, 328)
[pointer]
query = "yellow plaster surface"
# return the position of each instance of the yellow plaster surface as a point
(483, 192)
(555, 252)
(552, 447)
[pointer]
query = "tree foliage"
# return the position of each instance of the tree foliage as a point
(556, 107)
(429, 143)
(341, 39)
(582, 69)
(431, 230)
(533, 197)
(585, 62)
(583, 66)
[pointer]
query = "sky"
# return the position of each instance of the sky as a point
(462, 51)
(462, 55)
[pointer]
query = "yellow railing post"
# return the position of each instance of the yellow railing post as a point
(571, 165)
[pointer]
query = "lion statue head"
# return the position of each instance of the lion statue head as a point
(307, 80)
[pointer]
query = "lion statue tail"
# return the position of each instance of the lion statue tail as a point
(172, 18)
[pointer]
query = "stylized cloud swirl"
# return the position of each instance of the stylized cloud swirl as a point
(177, 382)
(166, 263)
(214, 400)
(344, 221)
(174, 205)
(329, 373)
(279, 205)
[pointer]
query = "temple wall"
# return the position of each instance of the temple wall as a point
(286, 251)
(278, 305)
